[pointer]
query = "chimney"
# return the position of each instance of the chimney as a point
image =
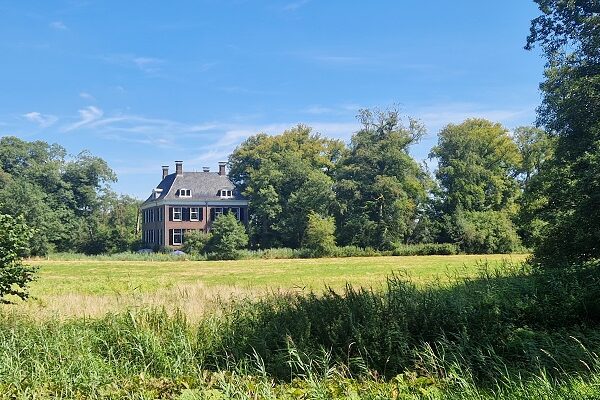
(165, 171)
(179, 167)
(222, 167)
(205, 169)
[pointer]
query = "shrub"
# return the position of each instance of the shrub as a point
(14, 240)
(319, 236)
(228, 236)
(485, 232)
(195, 242)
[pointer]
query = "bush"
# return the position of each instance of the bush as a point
(319, 237)
(228, 236)
(485, 232)
(425, 249)
(195, 242)
(14, 241)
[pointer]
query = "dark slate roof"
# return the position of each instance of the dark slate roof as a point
(204, 186)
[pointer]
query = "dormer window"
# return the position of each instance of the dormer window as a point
(184, 193)
(225, 193)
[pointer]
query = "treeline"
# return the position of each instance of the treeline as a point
(66, 199)
(306, 190)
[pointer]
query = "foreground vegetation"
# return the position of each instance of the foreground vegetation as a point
(504, 333)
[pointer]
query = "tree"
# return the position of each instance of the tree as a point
(14, 276)
(228, 236)
(67, 199)
(537, 148)
(478, 163)
(380, 188)
(568, 34)
(320, 235)
(285, 177)
(477, 167)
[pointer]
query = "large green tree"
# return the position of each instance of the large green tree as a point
(568, 32)
(285, 178)
(381, 190)
(67, 199)
(478, 164)
(537, 148)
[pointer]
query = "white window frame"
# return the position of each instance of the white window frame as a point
(236, 212)
(179, 233)
(219, 212)
(226, 193)
(195, 211)
(177, 210)
(185, 192)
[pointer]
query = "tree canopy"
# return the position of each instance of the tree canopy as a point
(285, 177)
(380, 188)
(569, 34)
(67, 199)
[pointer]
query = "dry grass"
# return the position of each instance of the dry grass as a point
(93, 288)
(194, 300)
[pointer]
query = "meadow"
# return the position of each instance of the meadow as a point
(92, 287)
(430, 327)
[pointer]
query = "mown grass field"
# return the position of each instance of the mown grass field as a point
(89, 287)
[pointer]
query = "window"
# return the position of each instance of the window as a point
(176, 213)
(184, 193)
(218, 211)
(225, 193)
(194, 214)
(177, 236)
(235, 211)
(161, 213)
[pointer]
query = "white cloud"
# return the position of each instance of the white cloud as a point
(87, 96)
(436, 116)
(295, 5)
(43, 120)
(149, 65)
(58, 25)
(87, 115)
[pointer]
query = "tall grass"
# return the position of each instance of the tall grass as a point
(510, 334)
(275, 253)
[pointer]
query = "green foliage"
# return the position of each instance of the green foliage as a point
(537, 148)
(285, 177)
(66, 199)
(380, 188)
(569, 213)
(14, 276)
(320, 235)
(477, 165)
(228, 236)
(195, 242)
(484, 232)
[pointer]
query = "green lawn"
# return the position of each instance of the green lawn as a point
(92, 288)
(110, 277)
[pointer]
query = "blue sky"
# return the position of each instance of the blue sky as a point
(144, 83)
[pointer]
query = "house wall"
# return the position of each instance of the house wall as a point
(204, 224)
